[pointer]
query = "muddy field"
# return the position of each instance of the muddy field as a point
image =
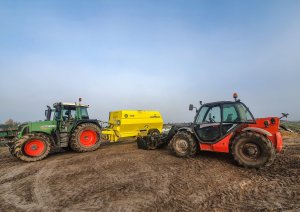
(121, 177)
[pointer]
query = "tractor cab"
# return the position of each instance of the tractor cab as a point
(66, 115)
(66, 112)
(214, 121)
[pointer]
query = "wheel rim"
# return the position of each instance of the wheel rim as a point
(251, 151)
(153, 139)
(34, 148)
(181, 145)
(88, 138)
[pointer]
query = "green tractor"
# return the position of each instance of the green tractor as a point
(67, 126)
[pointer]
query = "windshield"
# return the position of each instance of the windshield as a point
(201, 114)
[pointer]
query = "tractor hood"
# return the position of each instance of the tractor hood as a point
(38, 126)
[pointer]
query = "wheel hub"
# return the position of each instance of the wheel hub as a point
(251, 150)
(34, 147)
(181, 145)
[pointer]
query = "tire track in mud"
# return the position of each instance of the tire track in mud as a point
(123, 178)
(7, 182)
(41, 191)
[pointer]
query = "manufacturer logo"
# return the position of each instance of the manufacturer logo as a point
(155, 116)
(48, 126)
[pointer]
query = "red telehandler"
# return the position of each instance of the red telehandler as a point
(224, 126)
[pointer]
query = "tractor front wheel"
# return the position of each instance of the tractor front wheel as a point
(31, 147)
(85, 138)
(253, 150)
(183, 144)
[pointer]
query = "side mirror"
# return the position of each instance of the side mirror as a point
(191, 107)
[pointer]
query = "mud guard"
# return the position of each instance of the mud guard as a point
(259, 130)
(188, 129)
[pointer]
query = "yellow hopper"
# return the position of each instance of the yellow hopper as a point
(131, 123)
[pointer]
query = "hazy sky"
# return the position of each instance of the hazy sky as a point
(158, 55)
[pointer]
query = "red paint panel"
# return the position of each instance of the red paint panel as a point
(278, 142)
(276, 138)
(221, 146)
(206, 147)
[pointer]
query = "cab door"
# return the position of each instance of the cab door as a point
(208, 123)
(230, 117)
(69, 116)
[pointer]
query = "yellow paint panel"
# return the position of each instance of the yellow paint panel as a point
(130, 123)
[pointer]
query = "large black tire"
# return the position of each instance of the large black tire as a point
(31, 147)
(153, 139)
(85, 138)
(149, 142)
(183, 144)
(253, 150)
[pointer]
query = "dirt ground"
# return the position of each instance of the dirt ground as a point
(121, 177)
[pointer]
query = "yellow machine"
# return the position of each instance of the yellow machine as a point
(132, 123)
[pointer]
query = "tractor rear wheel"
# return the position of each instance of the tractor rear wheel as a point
(253, 150)
(85, 138)
(183, 144)
(31, 147)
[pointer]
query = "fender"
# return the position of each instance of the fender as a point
(188, 129)
(92, 121)
(259, 130)
(51, 138)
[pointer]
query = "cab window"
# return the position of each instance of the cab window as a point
(213, 115)
(230, 113)
(245, 115)
(68, 114)
(84, 113)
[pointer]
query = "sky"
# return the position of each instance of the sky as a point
(149, 55)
